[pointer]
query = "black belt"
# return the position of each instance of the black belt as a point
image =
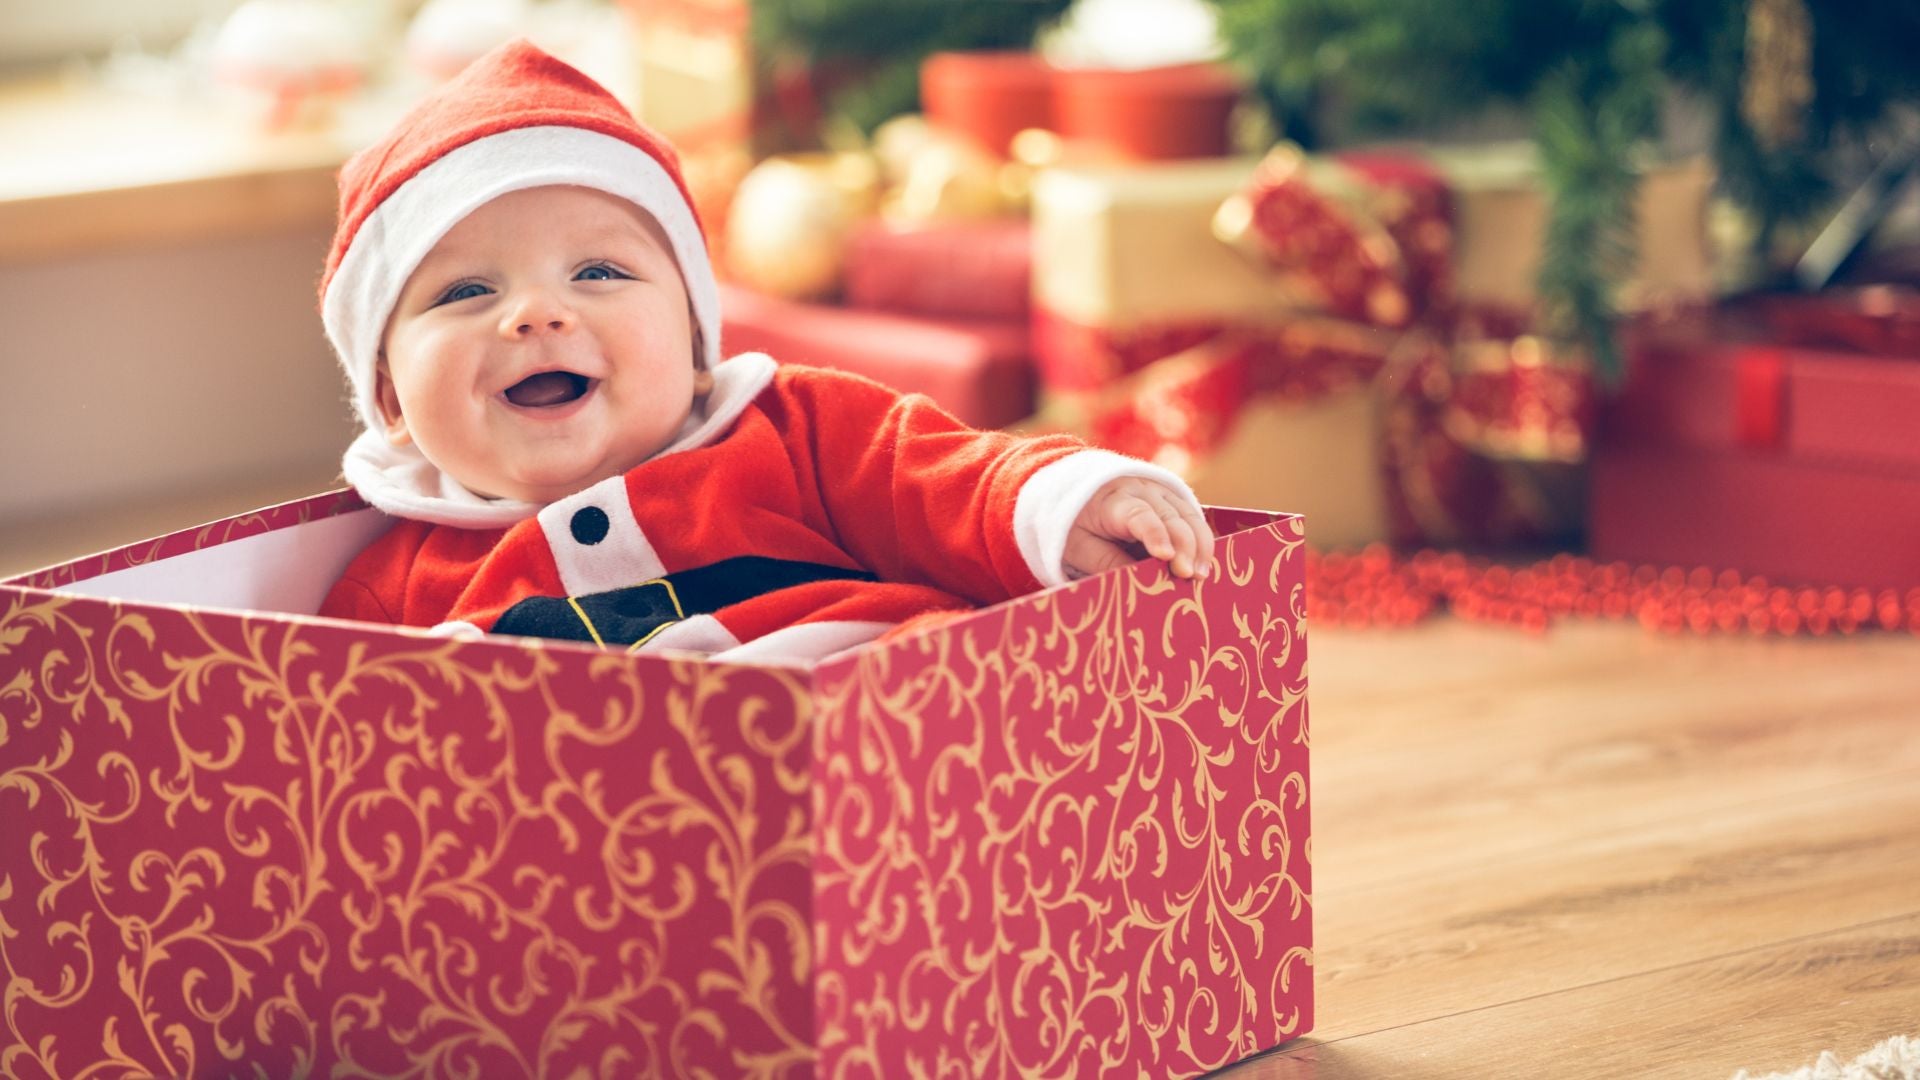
(630, 615)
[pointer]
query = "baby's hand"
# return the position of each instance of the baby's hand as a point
(1131, 515)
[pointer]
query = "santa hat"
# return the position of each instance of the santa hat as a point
(515, 118)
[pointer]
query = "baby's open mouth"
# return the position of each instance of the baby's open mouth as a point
(546, 389)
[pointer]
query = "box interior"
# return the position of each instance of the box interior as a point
(287, 570)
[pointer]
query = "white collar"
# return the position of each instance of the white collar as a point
(402, 482)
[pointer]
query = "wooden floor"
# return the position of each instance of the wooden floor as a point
(1608, 853)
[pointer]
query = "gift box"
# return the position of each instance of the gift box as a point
(1148, 114)
(1067, 833)
(979, 370)
(1131, 253)
(1796, 522)
(1312, 275)
(1501, 210)
(1380, 237)
(971, 270)
(1772, 435)
(708, 88)
(1231, 414)
(702, 84)
(987, 95)
(1159, 113)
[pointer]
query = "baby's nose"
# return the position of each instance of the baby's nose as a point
(536, 313)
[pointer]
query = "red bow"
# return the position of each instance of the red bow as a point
(1480, 419)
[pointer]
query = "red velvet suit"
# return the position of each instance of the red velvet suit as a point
(819, 469)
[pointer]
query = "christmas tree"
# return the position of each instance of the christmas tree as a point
(1798, 89)
(884, 41)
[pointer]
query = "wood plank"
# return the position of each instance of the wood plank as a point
(1451, 742)
(89, 168)
(1767, 1009)
(1614, 905)
(185, 211)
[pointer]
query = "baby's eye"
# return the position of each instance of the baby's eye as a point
(465, 290)
(600, 272)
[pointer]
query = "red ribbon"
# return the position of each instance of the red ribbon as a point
(1760, 398)
(1470, 402)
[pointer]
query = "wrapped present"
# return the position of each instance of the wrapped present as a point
(975, 269)
(1795, 521)
(1126, 269)
(703, 86)
(1772, 435)
(723, 105)
(987, 96)
(1731, 380)
(1331, 271)
(1500, 211)
(1394, 237)
(1230, 411)
(244, 839)
(1160, 113)
(980, 370)
(1180, 414)
(1148, 114)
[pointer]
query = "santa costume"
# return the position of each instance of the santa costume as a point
(798, 513)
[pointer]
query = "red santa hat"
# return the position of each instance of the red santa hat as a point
(515, 118)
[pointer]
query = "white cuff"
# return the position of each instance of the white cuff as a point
(1051, 500)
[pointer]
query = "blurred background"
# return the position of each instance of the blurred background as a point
(1622, 280)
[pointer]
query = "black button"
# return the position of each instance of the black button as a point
(589, 525)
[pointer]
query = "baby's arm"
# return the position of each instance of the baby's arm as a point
(914, 495)
(1131, 514)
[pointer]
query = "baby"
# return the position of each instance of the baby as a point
(520, 293)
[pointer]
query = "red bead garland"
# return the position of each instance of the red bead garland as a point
(1376, 587)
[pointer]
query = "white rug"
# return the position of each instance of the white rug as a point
(1896, 1059)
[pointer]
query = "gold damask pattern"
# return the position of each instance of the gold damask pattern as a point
(1070, 839)
(242, 844)
(1065, 836)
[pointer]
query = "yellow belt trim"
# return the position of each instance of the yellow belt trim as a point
(586, 622)
(679, 613)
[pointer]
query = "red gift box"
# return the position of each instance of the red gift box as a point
(241, 838)
(1783, 454)
(1138, 114)
(990, 96)
(972, 270)
(979, 370)
(1719, 381)
(1148, 114)
(1797, 522)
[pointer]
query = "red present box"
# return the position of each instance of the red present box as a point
(989, 96)
(972, 270)
(1148, 114)
(241, 838)
(1797, 522)
(1136, 114)
(979, 370)
(1790, 458)
(1720, 382)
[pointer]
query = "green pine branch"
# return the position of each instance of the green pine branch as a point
(1592, 72)
(884, 41)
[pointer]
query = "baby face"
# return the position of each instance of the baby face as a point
(545, 344)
